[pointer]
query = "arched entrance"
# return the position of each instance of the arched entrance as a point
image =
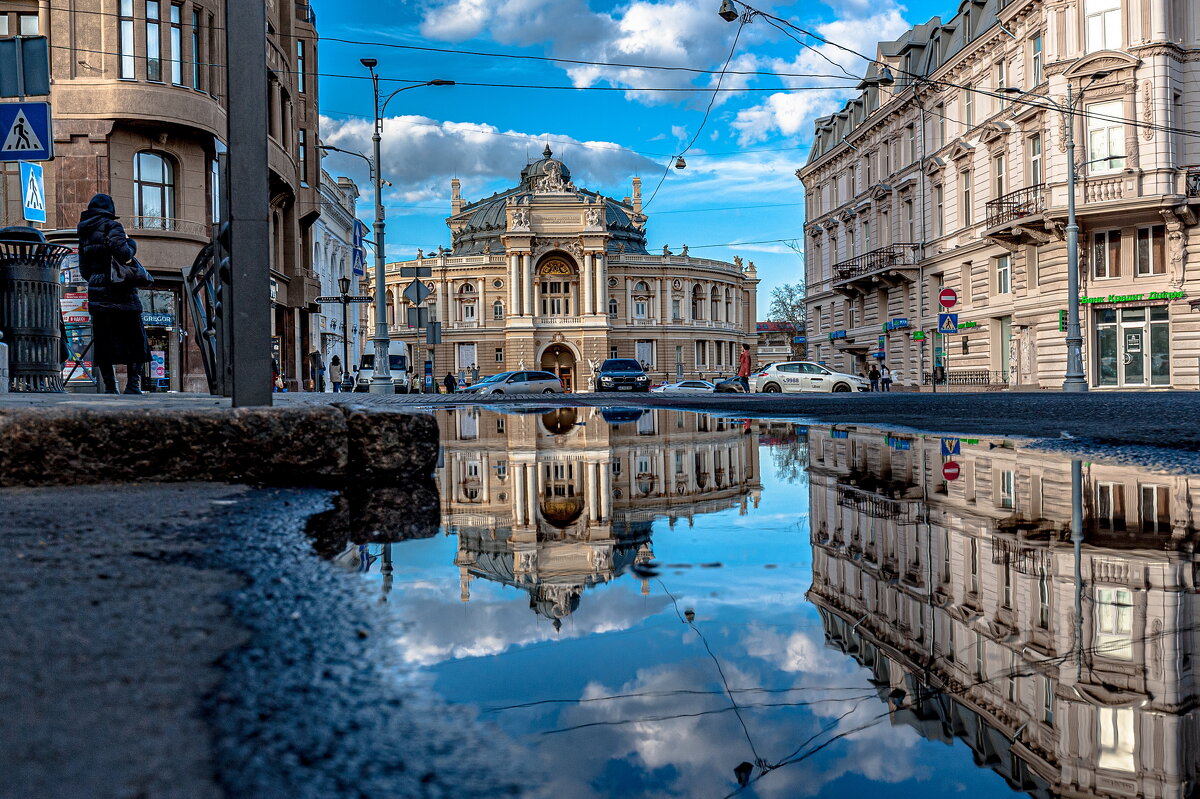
(559, 360)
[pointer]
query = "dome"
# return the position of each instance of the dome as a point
(548, 165)
(562, 511)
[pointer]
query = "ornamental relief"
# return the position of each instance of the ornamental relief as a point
(573, 246)
(555, 266)
(1147, 110)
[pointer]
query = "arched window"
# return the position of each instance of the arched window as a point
(697, 302)
(641, 286)
(497, 310)
(391, 308)
(467, 288)
(153, 191)
(715, 303)
(612, 306)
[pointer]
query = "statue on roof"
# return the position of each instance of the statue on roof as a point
(685, 251)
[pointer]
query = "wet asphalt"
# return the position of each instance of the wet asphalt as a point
(183, 641)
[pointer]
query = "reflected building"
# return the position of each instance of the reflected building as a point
(961, 598)
(556, 500)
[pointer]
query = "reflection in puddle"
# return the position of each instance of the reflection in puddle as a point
(659, 603)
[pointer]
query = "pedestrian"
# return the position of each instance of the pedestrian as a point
(744, 368)
(885, 377)
(106, 261)
(336, 374)
(450, 382)
(316, 367)
(873, 376)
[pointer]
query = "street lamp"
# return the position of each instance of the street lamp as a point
(344, 287)
(1074, 380)
(381, 379)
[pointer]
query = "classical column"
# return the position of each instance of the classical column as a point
(601, 273)
(590, 488)
(531, 487)
(518, 494)
(605, 491)
(657, 306)
(628, 300)
(688, 287)
(514, 285)
(527, 288)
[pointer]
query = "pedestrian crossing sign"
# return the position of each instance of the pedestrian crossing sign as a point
(25, 132)
(33, 192)
(947, 323)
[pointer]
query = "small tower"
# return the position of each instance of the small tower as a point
(456, 201)
(637, 195)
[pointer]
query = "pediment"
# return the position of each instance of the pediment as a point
(1101, 61)
(816, 229)
(961, 149)
(994, 131)
(880, 191)
(934, 165)
(847, 215)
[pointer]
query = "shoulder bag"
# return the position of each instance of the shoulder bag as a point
(131, 273)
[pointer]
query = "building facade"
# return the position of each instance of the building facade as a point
(333, 259)
(950, 169)
(962, 597)
(138, 98)
(549, 276)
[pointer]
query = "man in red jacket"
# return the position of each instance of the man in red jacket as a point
(744, 367)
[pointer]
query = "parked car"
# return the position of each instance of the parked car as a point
(397, 366)
(730, 385)
(622, 374)
(685, 387)
(517, 383)
(790, 377)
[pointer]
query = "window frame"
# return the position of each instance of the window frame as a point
(165, 188)
(1102, 23)
(1106, 132)
(1151, 250)
(1111, 250)
(1004, 279)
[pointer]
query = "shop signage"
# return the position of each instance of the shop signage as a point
(1147, 297)
(918, 335)
(158, 319)
(774, 327)
(799, 339)
(967, 325)
(839, 433)
(837, 334)
(896, 324)
(898, 443)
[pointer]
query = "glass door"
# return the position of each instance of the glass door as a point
(1135, 347)
(1159, 351)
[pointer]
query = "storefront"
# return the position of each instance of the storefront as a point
(160, 317)
(1132, 339)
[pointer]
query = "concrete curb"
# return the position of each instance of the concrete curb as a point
(291, 446)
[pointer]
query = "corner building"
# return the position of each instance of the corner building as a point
(943, 179)
(551, 277)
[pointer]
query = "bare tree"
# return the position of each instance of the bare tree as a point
(787, 305)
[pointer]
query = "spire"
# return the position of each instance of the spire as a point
(547, 153)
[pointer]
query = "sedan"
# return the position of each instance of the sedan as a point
(730, 385)
(517, 383)
(791, 377)
(685, 387)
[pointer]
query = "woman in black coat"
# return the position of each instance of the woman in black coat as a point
(118, 334)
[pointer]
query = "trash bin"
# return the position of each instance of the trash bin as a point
(30, 311)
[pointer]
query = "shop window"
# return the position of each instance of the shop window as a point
(1102, 22)
(1106, 254)
(1155, 509)
(1106, 137)
(153, 190)
(1151, 250)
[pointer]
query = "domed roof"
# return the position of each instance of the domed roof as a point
(549, 165)
(562, 511)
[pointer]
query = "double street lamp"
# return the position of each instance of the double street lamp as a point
(1074, 380)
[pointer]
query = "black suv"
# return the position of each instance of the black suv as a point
(622, 374)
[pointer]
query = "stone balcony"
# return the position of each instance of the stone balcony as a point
(891, 266)
(1018, 217)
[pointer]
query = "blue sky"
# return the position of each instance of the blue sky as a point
(607, 125)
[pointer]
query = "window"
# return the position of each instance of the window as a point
(1156, 509)
(1106, 254)
(1036, 60)
(1007, 488)
(556, 298)
(974, 583)
(1043, 619)
(939, 210)
(4, 24)
(1034, 147)
(964, 197)
(1110, 506)
(196, 84)
(639, 309)
(1004, 286)
(177, 44)
(998, 177)
(1114, 623)
(153, 190)
(910, 144)
(1001, 83)
(676, 311)
(468, 312)
(1048, 700)
(300, 76)
(153, 41)
(701, 354)
(127, 58)
(1151, 254)
(27, 24)
(907, 209)
(1102, 21)
(866, 231)
(612, 351)
(1116, 738)
(980, 662)
(497, 310)
(612, 308)
(939, 111)
(302, 153)
(968, 94)
(1106, 137)
(499, 355)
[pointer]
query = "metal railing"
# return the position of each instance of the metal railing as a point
(881, 258)
(167, 224)
(1016, 205)
(1193, 182)
(870, 504)
(969, 377)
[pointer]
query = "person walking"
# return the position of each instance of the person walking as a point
(316, 370)
(336, 373)
(873, 376)
(118, 334)
(450, 383)
(885, 377)
(744, 367)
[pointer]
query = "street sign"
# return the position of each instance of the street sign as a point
(25, 132)
(948, 298)
(950, 470)
(950, 446)
(358, 253)
(33, 192)
(417, 317)
(24, 66)
(416, 292)
(947, 323)
(348, 298)
(433, 333)
(416, 271)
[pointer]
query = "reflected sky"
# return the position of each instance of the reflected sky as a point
(685, 645)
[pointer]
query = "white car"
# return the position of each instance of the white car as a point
(790, 377)
(685, 387)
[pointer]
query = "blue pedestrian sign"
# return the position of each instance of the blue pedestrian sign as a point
(25, 132)
(358, 253)
(950, 446)
(33, 192)
(947, 323)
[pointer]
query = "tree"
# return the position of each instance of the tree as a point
(787, 305)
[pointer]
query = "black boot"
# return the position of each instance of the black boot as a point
(108, 376)
(133, 385)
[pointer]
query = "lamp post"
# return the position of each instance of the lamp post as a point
(381, 379)
(1074, 381)
(344, 287)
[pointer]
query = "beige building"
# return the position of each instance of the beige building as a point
(549, 276)
(943, 179)
(138, 97)
(961, 597)
(557, 502)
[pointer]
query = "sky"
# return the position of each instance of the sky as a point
(607, 123)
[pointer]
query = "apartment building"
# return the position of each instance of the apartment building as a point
(949, 170)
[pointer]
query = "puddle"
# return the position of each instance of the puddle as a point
(655, 603)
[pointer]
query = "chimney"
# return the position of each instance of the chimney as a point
(456, 202)
(637, 195)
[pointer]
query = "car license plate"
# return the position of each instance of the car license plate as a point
(624, 388)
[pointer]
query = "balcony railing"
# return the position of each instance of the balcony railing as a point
(557, 320)
(968, 377)
(872, 261)
(166, 224)
(872, 505)
(1016, 205)
(1193, 182)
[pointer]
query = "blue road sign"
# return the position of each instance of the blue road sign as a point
(25, 133)
(947, 323)
(950, 446)
(33, 192)
(358, 253)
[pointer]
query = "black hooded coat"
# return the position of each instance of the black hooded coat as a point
(101, 239)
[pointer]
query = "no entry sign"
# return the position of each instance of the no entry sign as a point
(948, 298)
(950, 470)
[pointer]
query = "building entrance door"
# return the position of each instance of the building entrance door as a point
(1133, 347)
(561, 361)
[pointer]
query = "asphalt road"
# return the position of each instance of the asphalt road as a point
(182, 641)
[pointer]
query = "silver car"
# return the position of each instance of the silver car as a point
(797, 376)
(685, 387)
(517, 383)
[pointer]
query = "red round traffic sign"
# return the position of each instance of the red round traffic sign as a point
(950, 470)
(948, 298)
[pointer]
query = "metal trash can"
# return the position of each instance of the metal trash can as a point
(30, 310)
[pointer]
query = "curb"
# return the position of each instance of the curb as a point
(290, 446)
